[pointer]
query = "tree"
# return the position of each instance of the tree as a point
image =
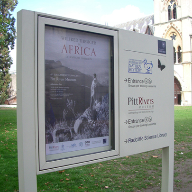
(7, 42)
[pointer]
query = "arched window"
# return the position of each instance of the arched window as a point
(177, 92)
(179, 55)
(174, 11)
(174, 54)
(169, 13)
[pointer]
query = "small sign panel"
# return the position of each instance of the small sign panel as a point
(145, 93)
(161, 47)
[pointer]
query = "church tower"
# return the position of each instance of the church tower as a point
(173, 20)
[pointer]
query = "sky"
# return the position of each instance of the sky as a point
(106, 12)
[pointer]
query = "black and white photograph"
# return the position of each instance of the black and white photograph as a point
(77, 90)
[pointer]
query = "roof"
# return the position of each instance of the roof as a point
(139, 25)
(150, 30)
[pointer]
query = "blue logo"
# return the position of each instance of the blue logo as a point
(161, 47)
(81, 144)
(104, 141)
(62, 147)
(139, 66)
(72, 145)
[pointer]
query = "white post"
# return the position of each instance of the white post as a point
(167, 169)
(26, 102)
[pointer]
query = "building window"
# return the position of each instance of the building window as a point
(179, 55)
(172, 10)
(169, 13)
(174, 54)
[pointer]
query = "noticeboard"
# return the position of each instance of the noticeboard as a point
(96, 93)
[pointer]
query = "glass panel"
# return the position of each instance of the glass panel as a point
(78, 87)
(169, 13)
(174, 54)
(179, 55)
(174, 12)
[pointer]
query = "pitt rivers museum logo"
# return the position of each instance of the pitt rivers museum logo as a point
(140, 66)
(141, 102)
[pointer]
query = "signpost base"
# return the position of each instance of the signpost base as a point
(167, 169)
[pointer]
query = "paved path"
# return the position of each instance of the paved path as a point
(10, 106)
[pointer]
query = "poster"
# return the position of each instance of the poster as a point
(77, 91)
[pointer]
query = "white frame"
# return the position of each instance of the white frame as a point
(43, 165)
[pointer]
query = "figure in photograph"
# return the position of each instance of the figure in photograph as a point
(93, 97)
(93, 90)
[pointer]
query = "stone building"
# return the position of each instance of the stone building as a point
(172, 20)
(12, 86)
(12, 100)
(144, 25)
(141, 25)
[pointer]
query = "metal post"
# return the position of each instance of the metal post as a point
(167, 169)
(26, 102)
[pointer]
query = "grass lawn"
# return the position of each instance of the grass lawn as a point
(141, 172)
